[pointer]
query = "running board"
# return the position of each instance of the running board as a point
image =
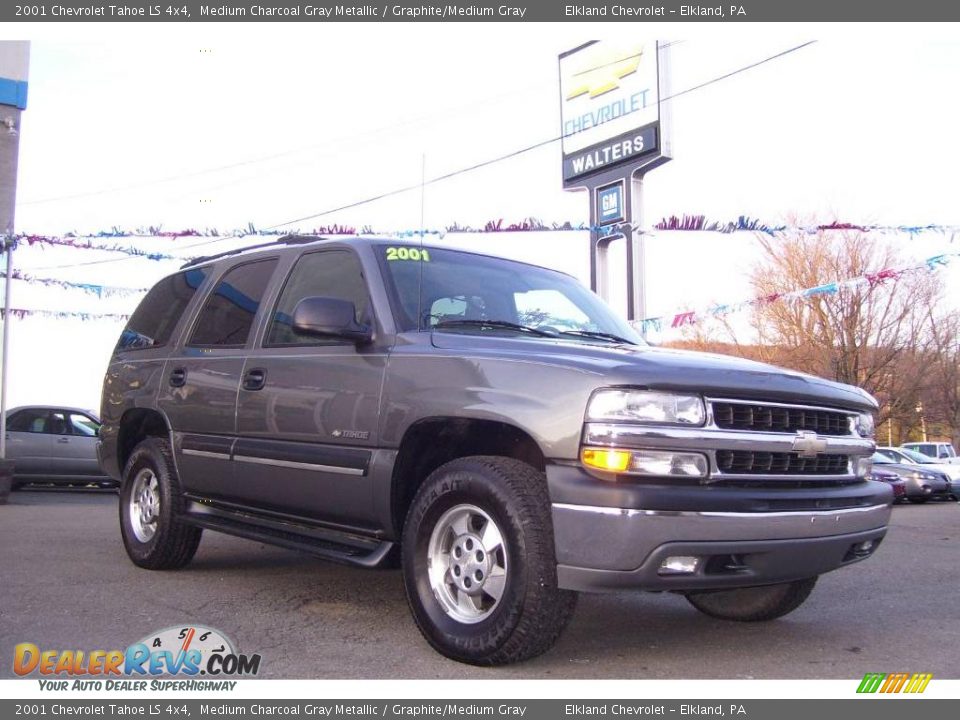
(328, 544)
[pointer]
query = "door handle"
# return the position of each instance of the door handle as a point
(63, 440)
(255, 379)
(178, 377)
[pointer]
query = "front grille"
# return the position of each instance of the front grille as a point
(777, 418)
(746, 462)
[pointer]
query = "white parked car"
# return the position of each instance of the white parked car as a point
(54, 444)
(937, 451)
(905, 456)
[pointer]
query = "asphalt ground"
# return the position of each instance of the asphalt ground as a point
(66, 583)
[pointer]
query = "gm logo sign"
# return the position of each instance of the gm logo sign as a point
(894, 682)
(610, 204)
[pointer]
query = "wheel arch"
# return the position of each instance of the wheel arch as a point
(431, 442)
(136, 425)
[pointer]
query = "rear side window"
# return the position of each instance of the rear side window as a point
(34, 421)
(227, 315)
(155, 318)
(332, 274)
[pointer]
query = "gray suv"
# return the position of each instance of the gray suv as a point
(490, 425)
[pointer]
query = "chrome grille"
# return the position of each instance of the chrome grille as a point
(746, 462)
(760, 417)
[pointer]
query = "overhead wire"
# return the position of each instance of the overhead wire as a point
(449, 175)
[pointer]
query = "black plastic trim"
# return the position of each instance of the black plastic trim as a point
(572, 485)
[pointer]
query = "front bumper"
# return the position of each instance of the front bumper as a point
(927, 489)
(612, 536)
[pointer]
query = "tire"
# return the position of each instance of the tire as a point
(753, 604)
(166, 542)
(490, 517)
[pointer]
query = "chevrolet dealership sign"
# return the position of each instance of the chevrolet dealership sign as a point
(610, 106)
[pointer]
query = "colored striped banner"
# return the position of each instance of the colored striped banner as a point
(894, 682)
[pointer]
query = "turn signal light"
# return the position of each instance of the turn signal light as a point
(604, 459)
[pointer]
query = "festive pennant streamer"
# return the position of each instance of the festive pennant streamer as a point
(87, 244)
(673, 223)
(21, 313)
(98, 290)
(871, 280)
(700, 223)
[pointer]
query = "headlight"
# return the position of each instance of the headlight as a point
(865, 425)
(646, 407)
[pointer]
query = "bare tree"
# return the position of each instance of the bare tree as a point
(872, 333)
(942, 399)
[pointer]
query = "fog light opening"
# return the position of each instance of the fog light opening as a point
(679, 565)
(862, 549)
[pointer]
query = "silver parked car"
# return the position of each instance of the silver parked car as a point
(905, 456)
(53, 444)
(921, 484)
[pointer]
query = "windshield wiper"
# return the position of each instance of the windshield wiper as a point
(496, 324)
(599, 335)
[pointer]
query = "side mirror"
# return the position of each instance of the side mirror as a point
(329, 317)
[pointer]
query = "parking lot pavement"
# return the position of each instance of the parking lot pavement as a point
(66, 583)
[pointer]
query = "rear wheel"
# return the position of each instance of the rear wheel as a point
(479, 564)
(151, 510)
(753, 604)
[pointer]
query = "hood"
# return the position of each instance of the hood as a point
(721, 376)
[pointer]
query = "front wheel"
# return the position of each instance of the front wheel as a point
(753, 604)
(151, 508)
(479, 565)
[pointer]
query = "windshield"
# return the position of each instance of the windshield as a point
(879, 459)
(916, 457)
(464, 292)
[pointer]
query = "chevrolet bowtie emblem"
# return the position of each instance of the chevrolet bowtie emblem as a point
(604, 74)
(807, 444)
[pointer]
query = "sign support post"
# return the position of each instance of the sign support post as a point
(14, 63)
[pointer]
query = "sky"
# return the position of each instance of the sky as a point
(228, 125)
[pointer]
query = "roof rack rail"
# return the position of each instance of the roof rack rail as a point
(285, 240)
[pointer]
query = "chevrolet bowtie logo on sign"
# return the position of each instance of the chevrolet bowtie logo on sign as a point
(808, 445)
(894, 682)
(605, 73)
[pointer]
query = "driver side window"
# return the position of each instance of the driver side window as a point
(328, 273)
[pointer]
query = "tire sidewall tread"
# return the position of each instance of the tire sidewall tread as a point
(532, 611)
(753, 604)
(175, 542)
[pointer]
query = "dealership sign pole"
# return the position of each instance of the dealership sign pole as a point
(615, 129)
(14, 61)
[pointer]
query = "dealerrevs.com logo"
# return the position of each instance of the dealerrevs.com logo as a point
(894, 682)
(186, 651)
